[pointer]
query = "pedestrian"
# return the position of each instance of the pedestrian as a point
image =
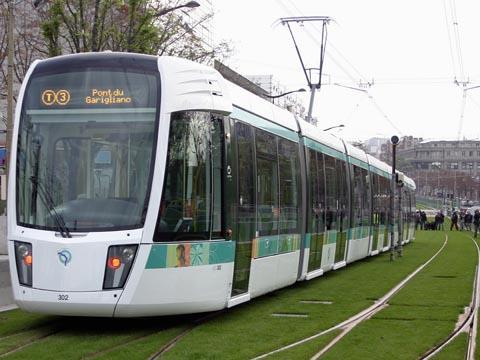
(423, 219)
(417, 219)
(437, 221)
(476, 221)
(442, 219)
(468, 220)
(454, 221)
(461, 219)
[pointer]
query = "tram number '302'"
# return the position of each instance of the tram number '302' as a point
(62, 297)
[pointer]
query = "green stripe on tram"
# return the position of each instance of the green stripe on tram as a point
(379, 172)
(357, 162)
(263, 124)
(324, 149)
(358, 232)
(275, 244)
(190, 254)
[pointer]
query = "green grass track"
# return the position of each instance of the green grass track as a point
(250, 330)
(416, 318)
(421, 314)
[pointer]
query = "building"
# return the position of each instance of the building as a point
(443, 168)
(463, 155)
(405, 152)
(373, 146)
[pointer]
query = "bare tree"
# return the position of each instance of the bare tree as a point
(29, 43)
(73, 26)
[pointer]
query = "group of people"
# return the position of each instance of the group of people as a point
(422, 223)
(466, 219)
(420, 220)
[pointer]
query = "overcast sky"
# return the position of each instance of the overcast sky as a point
(409, 49)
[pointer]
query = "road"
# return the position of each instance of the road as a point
(6, 297)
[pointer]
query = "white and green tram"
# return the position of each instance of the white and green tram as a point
(145, 185)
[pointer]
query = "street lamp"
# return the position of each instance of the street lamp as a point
(287, 93)
(333, 127)
(190, 4)
(391, 220)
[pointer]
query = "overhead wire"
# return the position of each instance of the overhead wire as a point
(463, 81)
(473, 101)
(457, 39)
(449, 40)
(349, 75)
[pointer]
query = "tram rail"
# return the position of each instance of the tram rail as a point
(347, 325)
(170, 344)
(468, 325)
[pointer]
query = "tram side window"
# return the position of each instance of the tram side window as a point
(358, 190)
(191, 205)
(316, 217)
(267, 183)
(366, 211)
(288, 165)
(331, 193)
(385, 198)
(217, 174)
(342, 188)
(246, 185)
(376, 205)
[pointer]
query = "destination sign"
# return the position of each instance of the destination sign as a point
(92, 89)
(108, 97)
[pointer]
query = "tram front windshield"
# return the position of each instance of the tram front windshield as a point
(86, 149)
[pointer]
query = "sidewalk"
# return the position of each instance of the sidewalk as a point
(6, 296)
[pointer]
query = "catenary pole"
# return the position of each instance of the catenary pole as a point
(394, 141)
(10, 45)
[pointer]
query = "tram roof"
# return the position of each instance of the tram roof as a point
(248, 101)
(378, 164)
(313, 132)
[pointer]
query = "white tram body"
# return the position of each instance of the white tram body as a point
(146, 185)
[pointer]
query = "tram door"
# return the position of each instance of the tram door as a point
(244, 230)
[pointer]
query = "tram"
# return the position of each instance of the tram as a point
(150, 186)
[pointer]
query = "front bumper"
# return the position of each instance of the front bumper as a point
(73, 303)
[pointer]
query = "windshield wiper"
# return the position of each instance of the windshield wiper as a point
(48, 202)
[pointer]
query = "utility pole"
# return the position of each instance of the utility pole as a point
(391, 221)
(10, 45)
(399, 185)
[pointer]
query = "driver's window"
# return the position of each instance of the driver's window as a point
(70, 169)
(103, 171)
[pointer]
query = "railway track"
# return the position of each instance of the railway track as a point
(468, 325)
(170, 344)
(347, 325)
(33, 340)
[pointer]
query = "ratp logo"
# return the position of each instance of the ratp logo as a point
(64, 256)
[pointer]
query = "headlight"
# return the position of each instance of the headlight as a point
(119, 262)
(24, 261)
